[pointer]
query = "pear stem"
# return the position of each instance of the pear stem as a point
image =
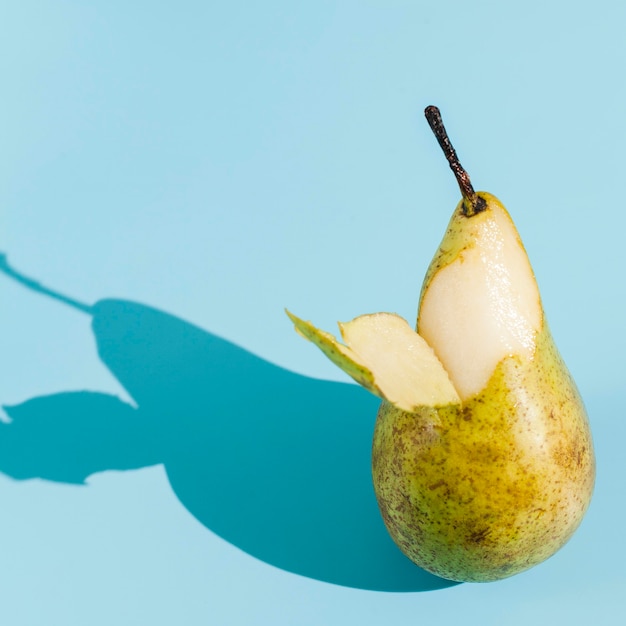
(472, 202)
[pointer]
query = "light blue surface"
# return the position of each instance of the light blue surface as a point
(213, 163)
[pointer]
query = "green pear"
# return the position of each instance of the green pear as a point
(482, 459)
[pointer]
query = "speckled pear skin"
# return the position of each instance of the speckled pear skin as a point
(488, 488)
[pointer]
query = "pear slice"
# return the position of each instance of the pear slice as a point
(480, 303)
(387, 357)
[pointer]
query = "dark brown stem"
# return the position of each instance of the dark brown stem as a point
(472, 202)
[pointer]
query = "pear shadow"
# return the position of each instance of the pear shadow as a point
(276, 463)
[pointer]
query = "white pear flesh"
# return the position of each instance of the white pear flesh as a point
(483, 306)
(385, 355)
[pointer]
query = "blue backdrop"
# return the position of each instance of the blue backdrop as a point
(172, 175)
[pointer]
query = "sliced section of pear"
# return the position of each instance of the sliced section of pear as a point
(385, 355)
(480, 303)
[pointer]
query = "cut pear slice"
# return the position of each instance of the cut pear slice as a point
(387, 357)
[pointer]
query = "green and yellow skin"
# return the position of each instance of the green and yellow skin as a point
(482, 458)
(488, 488)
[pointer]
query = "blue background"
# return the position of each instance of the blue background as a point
(186, 170)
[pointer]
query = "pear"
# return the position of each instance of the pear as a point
(482, 458)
